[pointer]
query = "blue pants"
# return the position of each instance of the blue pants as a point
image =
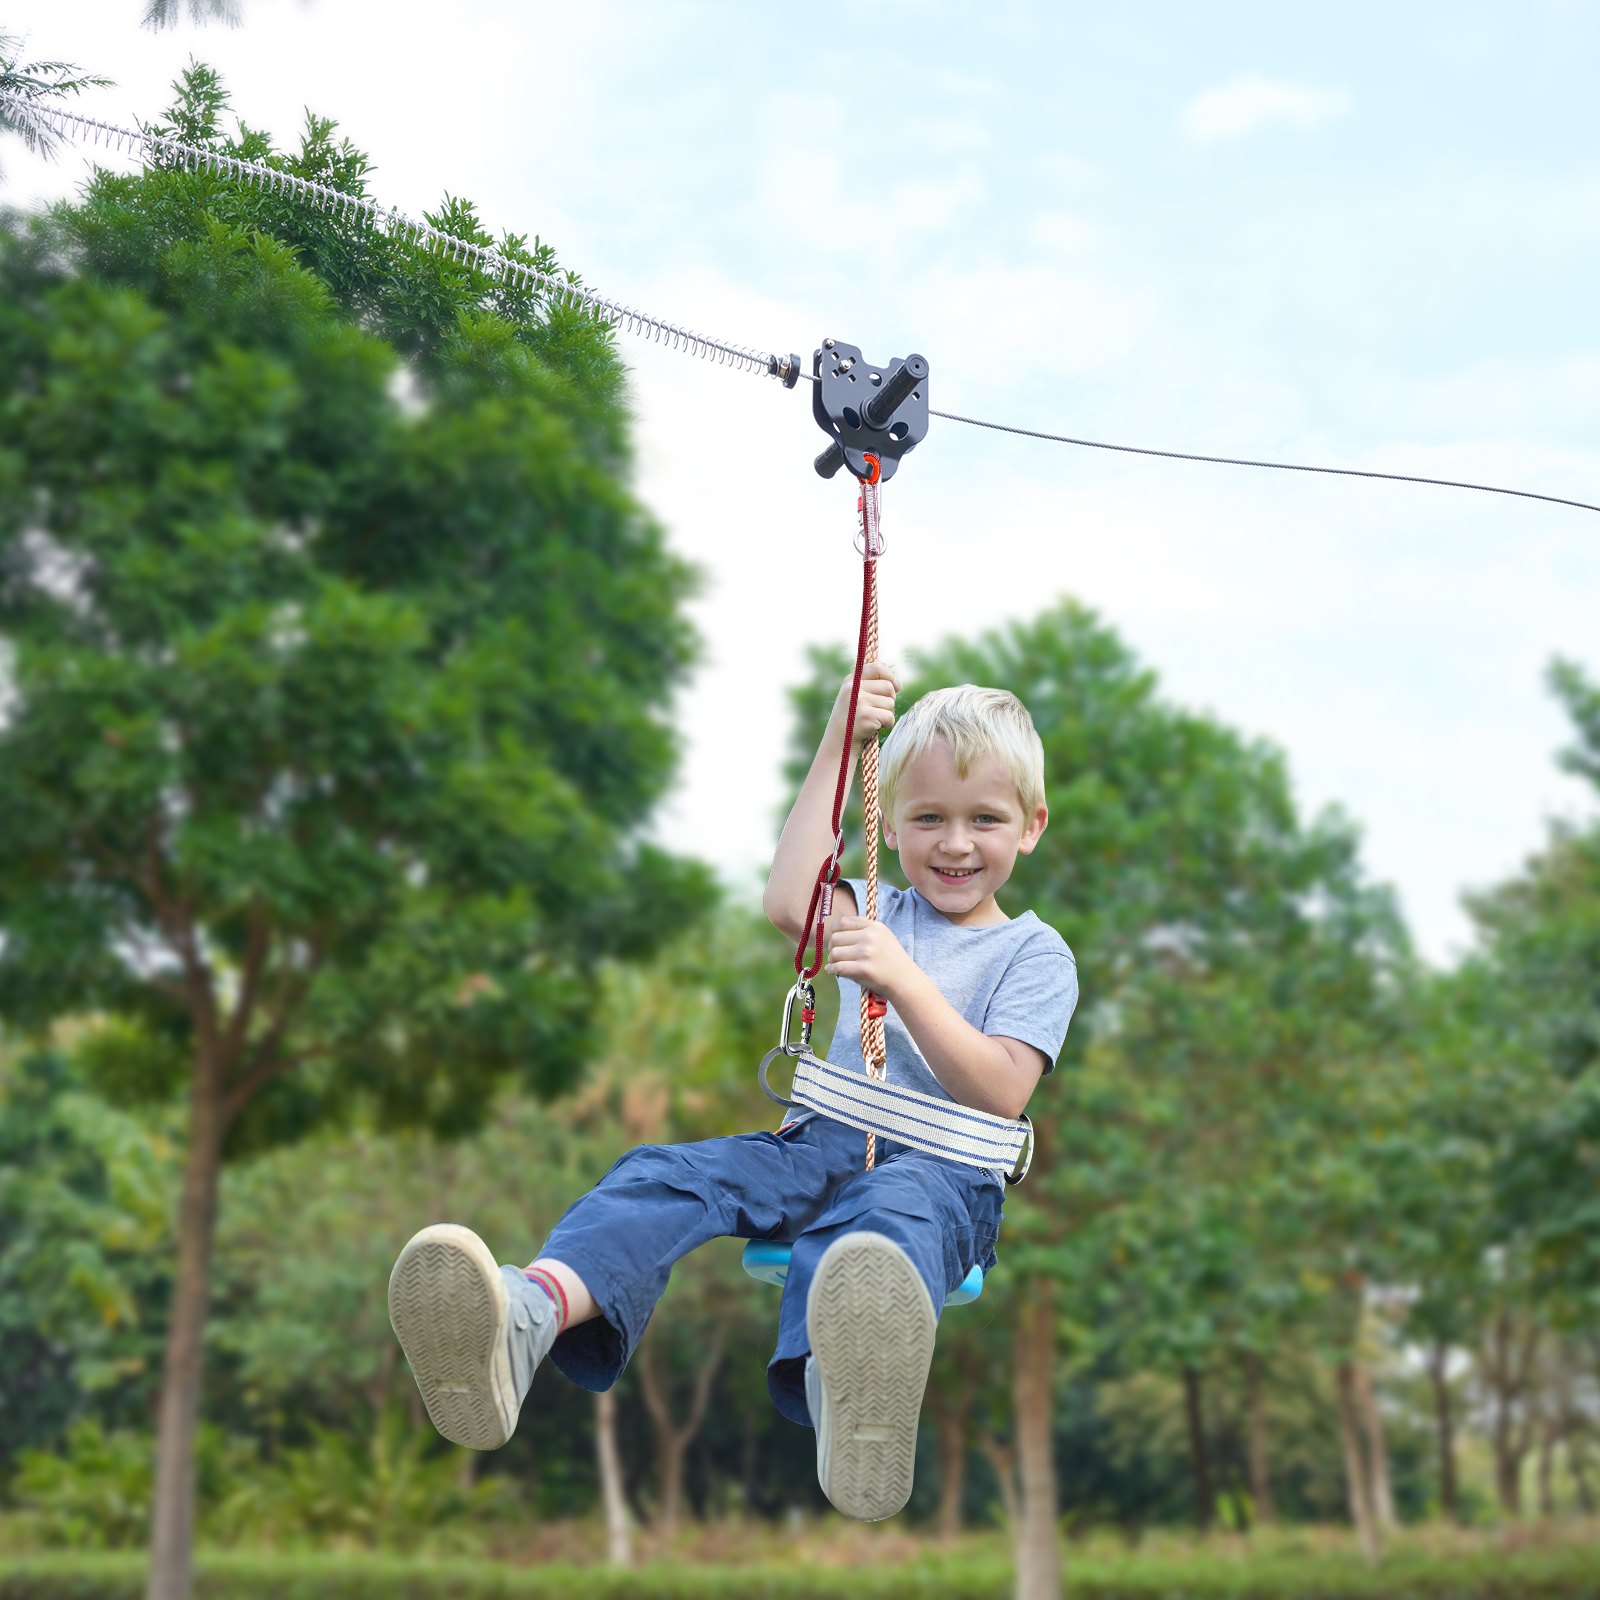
(805, 1184)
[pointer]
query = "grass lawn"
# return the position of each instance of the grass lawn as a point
(824, 1558)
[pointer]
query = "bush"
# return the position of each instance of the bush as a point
(395, 1491)
(96, 1495)
(1569, 1574)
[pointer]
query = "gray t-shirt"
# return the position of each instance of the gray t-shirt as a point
(1016, 979)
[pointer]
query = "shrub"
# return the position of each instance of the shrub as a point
(393, 1491)
(1569, 1574)
(96, 1494)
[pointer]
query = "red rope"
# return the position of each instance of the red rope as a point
(828, 872)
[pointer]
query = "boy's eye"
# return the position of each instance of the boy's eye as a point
(927, 816)
(986, 816)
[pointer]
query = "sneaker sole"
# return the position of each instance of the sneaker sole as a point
(871, 1327)
(449, 1309)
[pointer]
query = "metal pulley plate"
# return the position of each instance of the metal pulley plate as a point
(867, 410)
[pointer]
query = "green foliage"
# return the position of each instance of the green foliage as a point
(397, 1488)
(95, 1495)
(1537, 1022)
(337, 684)
(1525, 1575)
(1582, 701)
(29, 85)
(85, 1202)
(1239, 990)
(160, 14)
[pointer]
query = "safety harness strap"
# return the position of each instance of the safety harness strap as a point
(910, 1117)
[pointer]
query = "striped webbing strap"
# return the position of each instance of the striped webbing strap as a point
(923, 1121)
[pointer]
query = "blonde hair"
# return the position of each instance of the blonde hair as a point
(974, 723)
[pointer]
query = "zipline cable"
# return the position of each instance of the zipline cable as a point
(157, 148)
(1276, 466)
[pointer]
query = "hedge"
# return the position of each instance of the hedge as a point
(1564, 1574)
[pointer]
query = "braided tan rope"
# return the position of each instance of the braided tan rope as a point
(874, 1049)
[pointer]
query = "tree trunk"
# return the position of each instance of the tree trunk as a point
(1358, 1486)
(671, 1447)
(1205, 1497)
(1377, 1447)
(1038, 1556)
(1511, 1377)
(1578, 1466)
(1003, 1458)
(1549, 1437)
(673, 1440)
(1507, 1471)
(381, 1388)
(1256, 1436)
(1445, 1425)
(619, 1529)
(172, 1514)
(747, 1469)
(1572, 1422)
(949, 1400)
(951, 1426)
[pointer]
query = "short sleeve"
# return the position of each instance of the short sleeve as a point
(1035, 999)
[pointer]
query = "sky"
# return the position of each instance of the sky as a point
(1361, 236)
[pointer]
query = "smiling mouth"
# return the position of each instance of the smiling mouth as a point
(957, 877)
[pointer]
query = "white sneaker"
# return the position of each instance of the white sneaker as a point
(871, 1326)
(473, 1331)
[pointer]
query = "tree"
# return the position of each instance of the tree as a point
(1223, 945)
(24, 86)
(337, 675)
(1530, 1021)
(160, 14)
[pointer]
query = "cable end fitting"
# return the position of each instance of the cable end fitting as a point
(785, 368)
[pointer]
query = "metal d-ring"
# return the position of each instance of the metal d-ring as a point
(766, 1061)
(1024, 1158)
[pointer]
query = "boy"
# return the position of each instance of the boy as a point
(979, 1006)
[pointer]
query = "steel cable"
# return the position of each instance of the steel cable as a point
(563, 291)
(1276, 466)
(157, 148)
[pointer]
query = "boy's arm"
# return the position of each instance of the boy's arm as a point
(988, 1073)
(807, 837)
(976, 1069)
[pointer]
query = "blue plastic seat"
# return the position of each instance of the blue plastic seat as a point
(768, 1260)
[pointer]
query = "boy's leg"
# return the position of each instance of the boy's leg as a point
(866, 1284)
(474, 1331)
(566, 1288)
(621, 1240)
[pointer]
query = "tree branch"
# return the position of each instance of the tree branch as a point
(702, 1382)
(264, 1062)
(258, 945)
(245, 1088)
(650, 1382)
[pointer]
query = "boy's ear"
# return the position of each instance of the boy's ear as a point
(1034, 831)
(888, 830)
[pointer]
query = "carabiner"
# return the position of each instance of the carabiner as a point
(805, 991)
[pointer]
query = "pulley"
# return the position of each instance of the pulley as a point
(867, 410)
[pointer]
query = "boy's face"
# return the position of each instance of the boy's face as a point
(958, 838)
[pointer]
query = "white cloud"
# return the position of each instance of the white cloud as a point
(1243, 106)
